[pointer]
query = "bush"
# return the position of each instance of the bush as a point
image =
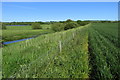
(70, 25)
(57, 27)
(3, 26)
(36, 26)
(82, 23)
(68, 20)
(79, 22)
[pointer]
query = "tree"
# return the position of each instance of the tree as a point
(69, 20)
(36, 26)
(70, 25)
(3, 26)
(79, 22)
(82, 23)
(57, 27)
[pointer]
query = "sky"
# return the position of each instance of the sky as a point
(58, 11)
(60, 0)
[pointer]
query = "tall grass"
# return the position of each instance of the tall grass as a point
(57, 55)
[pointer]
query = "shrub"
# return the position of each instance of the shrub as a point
(57, 27)
(82, 23)
(68, 20)
(3, 26)
(70, 25)
(79, 22)
(36, 26)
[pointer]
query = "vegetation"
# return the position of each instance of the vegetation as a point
(58, 55)
(21, 32)
(68, 20)
(57, 27)
(82, 23)
(70, 25)
(3, 26)
(103, 51)
(36, 26)
(10, 35)
(89, 51)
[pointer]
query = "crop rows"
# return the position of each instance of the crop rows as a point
(104, 56)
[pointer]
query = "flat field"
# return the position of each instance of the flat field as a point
(22, 32)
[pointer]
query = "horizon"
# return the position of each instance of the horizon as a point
(58, 11)
(62, 20)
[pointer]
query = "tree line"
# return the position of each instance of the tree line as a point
(56, 25)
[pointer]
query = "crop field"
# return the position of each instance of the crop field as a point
(89, 51)
(104, 50)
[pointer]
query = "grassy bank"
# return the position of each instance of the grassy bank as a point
(58, 55)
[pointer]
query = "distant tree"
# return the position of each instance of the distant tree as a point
(79, 22)
(3, 26)
(82, 23)
(57, 27)
(36, 26)
(70, 25)
(69, 20)
(61, 21)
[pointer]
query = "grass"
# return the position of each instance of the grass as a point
(19, 27)
(89, 51)
(44, 26)
(0, 63)
(10, 35)
(45, 58)
(21, 32)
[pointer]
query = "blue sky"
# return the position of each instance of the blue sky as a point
(58, 11)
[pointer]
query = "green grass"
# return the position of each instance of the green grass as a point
(21, 32)
(88, 51)
(43, 57)
(10, 35)
(0, 63)
(44, 26)
(19, 27)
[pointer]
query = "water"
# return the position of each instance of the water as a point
(9, 42)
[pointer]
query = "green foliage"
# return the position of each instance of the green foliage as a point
(57, 27)
(85, 52)
(70, 25)
(23, 23)
(41, 57)
(79, 21)
(3, 26)
(36, 26)
(104, 52)
(82, 23)
(68, 20)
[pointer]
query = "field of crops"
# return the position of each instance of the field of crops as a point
(105, 54)
(89, 51)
